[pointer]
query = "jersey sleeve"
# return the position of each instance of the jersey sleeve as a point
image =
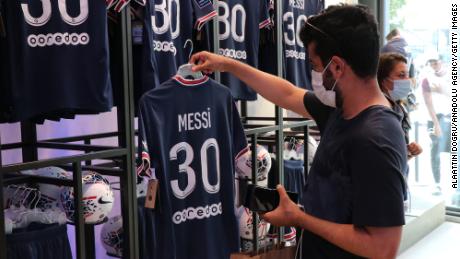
(378, 191)
(317, 110)
(239, 138)
(264, 20)
(143, 166)
(204, 11)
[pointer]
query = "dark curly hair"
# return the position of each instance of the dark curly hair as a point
(347, 31)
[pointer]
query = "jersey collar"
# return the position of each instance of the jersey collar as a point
(190, 82)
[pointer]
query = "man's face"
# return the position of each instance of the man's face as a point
(318, 66)
(436, 65)
(328, 80)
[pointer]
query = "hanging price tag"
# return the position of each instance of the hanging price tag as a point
(2, 26)
(152, 190)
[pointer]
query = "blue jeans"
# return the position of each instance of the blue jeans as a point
(439, 144)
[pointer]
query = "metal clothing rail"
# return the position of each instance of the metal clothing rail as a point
(122, 158)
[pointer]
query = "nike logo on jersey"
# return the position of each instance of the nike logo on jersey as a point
(101, 201)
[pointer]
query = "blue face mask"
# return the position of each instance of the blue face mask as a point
(401, 89)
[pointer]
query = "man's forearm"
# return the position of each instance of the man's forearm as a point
(272, 88)
(348, 237)
(429, 105)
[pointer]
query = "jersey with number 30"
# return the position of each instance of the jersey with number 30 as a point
(168, 25)
(57, 57)
(296, 66)
(192, 132)
(240, 22)
(295, 13)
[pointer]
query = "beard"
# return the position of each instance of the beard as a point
(338, 97)
(328, 83)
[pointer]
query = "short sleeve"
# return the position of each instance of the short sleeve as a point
(264, 20)
(426, 85)
(204, 11)
(239, 138)
(377, 166)
(317, 110)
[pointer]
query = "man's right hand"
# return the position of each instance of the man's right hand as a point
(209, 62)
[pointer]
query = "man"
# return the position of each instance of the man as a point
(395, 43)
(353, 197)
(435, 88)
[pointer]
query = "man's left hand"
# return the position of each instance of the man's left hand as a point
(287, 212)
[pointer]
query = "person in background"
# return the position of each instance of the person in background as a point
(397, 44)
(435, 88)
(394, 81)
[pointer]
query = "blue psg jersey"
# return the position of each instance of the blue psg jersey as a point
(168, 24)
(192, 132)
(295, 64)
(240, 22)
(57, 54)
(295, 13)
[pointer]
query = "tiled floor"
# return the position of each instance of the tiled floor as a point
(442, 243)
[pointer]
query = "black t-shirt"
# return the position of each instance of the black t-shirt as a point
(356, 175)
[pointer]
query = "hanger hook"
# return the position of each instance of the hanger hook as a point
(191, 47)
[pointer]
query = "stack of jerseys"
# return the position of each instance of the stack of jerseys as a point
(54, 60)
(192, 132)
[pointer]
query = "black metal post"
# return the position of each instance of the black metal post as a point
(2, 214)
(279, 110)
(29, 139)
(305, 152)
(244, 109)
(126, 140)
(90, 245)
(215, 34)
(255, 216)
(87, 142)
(78, 217)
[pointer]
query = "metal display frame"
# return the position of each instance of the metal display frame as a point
(122, 165)
(121, 158)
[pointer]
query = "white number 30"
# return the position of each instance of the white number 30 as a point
(191, 175)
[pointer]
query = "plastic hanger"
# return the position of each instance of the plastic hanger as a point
(185, 70)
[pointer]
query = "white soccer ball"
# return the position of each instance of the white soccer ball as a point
(97, 198)
(245, 220)
(112, 236)
(243, 164)
(49, 193)
(290, 235)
